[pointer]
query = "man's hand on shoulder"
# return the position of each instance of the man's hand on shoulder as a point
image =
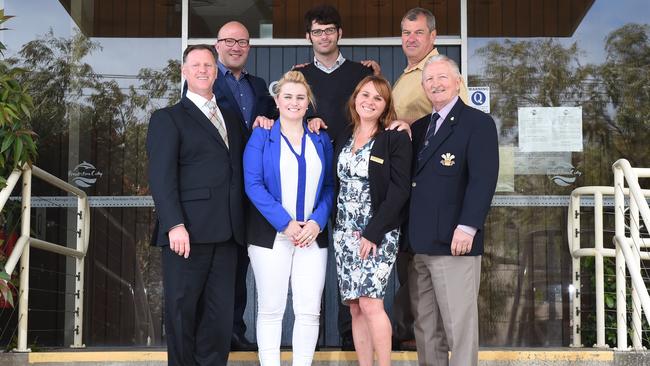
(376, 69)
(400, 126)
(299, 66)
(179, 241)
(316, 124)
(265, 123)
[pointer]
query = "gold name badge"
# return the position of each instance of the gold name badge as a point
(376, 159)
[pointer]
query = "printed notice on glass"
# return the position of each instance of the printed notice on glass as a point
(541, 163)
(550, 129)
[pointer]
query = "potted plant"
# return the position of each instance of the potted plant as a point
(17, 148)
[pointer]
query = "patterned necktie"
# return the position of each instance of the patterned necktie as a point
(431, 130)
(216, 121)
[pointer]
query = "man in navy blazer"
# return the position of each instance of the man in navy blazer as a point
(195, 176)
(455, 168)
(243, 93)
(248, 97)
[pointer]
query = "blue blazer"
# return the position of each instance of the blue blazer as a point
(264, 104)
(263, 187)
(456, 188)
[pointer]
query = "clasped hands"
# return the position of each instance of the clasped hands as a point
(301, 233)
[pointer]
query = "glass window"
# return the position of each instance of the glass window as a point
(589, 56)
(97, 70)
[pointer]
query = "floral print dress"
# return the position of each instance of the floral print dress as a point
(357, 278)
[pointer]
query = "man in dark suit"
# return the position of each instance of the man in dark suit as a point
(455, 168)
(248, 97)
(195, 176)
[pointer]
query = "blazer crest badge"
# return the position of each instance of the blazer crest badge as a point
(447, 159)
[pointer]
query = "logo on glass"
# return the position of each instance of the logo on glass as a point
(84, 175)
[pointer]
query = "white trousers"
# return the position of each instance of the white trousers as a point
(273, 268)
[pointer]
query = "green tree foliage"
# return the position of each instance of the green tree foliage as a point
(626, 79)
(17, 145)
(530, 73)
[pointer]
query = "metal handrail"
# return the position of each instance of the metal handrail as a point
(623, 172)
(25, 242)
(598, 252)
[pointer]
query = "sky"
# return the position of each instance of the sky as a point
(603, 17)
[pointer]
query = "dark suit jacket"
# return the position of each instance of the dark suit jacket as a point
(444, 196)
(389, 175)
(264, 103)
(194, 179)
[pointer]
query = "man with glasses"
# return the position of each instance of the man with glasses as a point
(248, 97)
(235, 88)
(332, 79)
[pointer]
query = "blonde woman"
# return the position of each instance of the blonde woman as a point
(288, 177)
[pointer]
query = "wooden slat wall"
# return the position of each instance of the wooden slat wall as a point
(361, 18)
(364, 18)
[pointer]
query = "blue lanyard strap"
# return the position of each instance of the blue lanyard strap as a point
(302, 176)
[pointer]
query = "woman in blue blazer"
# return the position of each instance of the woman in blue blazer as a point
(288, 177)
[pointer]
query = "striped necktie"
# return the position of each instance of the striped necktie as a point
(431, 130)
(216, 121)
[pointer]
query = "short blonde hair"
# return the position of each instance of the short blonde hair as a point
(295, 77)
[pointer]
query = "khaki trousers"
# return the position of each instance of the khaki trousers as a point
(444, 295)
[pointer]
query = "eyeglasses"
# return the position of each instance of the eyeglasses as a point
(319, 32)
(230, 42)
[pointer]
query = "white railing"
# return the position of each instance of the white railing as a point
(25, 241)
(630, 250)
(599, 252)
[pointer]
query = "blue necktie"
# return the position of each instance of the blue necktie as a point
(431, 130)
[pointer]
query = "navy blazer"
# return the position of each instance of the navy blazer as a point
(455, 180)
(264, 104)
(389, 176)
(194, 178)
(263, 186)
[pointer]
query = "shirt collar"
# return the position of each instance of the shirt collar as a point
(224, 70)
(198, 100)
(339, 61)
(420, 65)
(446, 109)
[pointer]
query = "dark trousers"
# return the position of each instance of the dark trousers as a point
(199, 298)
(239, 326)
(402, 314)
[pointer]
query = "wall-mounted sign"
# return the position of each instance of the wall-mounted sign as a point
(84, 175)
(479, 97)
(550, 129)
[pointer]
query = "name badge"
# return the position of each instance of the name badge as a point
(376, 159)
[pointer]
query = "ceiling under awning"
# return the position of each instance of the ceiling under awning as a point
(361, 18)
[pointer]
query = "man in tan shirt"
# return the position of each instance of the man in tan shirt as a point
(411, 103)
(418, 43)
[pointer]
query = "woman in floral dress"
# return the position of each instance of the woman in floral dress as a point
(373, 167)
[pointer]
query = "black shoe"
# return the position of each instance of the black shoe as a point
(240, 343)
(347, 343)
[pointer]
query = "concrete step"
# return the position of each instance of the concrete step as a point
(487, 357)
